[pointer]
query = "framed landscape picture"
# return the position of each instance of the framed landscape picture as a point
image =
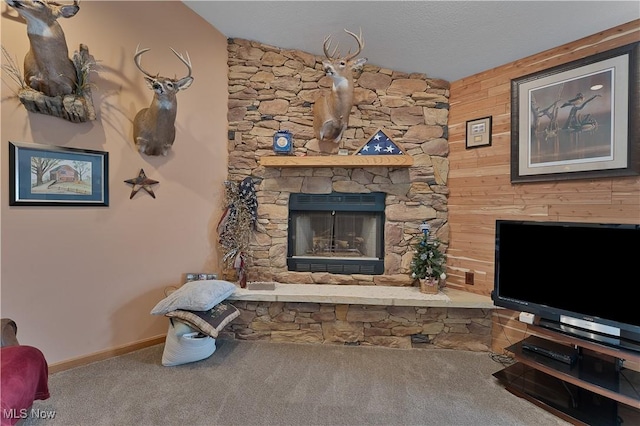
(577, 120)
(43, 175)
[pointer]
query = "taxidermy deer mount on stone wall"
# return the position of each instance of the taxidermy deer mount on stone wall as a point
(47, 67)
(154, 127)
(331, 112)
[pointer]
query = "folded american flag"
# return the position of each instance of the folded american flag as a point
(380, 144)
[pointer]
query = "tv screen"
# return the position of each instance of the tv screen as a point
(577, 278)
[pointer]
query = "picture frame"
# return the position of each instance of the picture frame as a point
(577, 120)
(478, 133)
(44, 175)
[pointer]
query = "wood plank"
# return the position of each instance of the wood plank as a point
(489, 199)
(480, 226)
(481, 239)
(482, 266)
(507, 211)
(630, 200)
(480, 221)
(597, 210)
(497, 170)
(626, 184)
(464, 182)
(470, 191)
(560, 187)
(348, 161)
(464, 258)
(600, 197)
(469, 257)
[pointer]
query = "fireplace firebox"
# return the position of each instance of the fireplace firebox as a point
(338, 233)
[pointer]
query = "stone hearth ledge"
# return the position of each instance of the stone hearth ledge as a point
(364, 295)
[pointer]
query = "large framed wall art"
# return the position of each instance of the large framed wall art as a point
(577, 120)
(43, 175)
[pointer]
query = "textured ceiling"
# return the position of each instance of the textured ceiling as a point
(443, 39)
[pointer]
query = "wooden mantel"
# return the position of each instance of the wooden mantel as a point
(348, 161)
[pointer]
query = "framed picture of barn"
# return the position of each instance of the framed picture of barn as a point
(44, 175)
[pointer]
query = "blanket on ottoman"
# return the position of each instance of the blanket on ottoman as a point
(23, 379)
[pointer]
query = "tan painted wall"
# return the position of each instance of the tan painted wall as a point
(479, 178)
(80, 280)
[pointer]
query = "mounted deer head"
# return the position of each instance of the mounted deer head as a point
(154, 127)
(47, 67)
(331, 113)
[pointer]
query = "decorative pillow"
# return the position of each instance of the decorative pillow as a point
(209, 322)
(195, 296)
(184, 344)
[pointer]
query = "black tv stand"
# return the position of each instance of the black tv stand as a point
(595, 389)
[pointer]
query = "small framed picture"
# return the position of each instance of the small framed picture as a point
(212, 276)
(478, 132)
(192, 277)
(202, 276)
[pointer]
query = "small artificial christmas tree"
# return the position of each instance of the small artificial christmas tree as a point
(428, 261)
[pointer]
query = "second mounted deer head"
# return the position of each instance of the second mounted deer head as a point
(154, 127)
(47, 67)
(331, 111)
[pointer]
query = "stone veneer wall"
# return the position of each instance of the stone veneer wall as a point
(403, 327)
(272, 89)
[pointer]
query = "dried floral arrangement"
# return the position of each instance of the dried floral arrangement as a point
(238, 221)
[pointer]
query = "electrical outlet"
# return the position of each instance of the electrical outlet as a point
(196, 276)
(468, 278)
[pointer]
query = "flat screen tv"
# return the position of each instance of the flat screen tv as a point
(580, 279)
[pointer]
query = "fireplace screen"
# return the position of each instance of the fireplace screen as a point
(337, 233)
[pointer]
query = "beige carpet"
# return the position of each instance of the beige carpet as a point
(260, 383)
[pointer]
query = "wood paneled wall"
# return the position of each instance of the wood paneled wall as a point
(479, 178)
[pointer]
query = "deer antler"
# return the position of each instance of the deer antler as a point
(187, 61)
(138, 55)
(136, 59)
(360, 44)
(326, 45)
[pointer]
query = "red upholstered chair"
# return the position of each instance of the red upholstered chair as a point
(23, 375)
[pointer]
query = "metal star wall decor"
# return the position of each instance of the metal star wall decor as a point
(141, 182)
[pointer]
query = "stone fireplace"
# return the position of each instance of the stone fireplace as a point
(273, 90)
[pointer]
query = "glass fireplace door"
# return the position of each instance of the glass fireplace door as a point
(337, 233)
